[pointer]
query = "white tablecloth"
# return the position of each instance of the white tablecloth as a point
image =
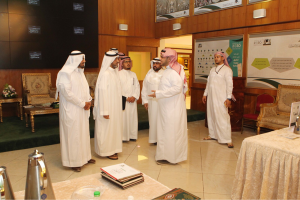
(146, 190)
(268, 168)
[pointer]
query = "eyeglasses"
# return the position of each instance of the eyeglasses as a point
(128, 61)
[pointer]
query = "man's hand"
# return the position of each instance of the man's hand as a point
(106, 116)
(204, 99)
(146, 106)
(130, 99)
(87, 105)
(227, 103)
(152, 95)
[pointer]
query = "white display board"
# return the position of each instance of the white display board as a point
(273, 59)
(204, 6)
(204, 55)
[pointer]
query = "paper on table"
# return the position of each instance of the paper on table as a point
(290, 136)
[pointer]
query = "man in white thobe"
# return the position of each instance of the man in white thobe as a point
(131, 91)
(171, 120)
(74, 112)
(108, 109)
(150, 83)
(218, 94)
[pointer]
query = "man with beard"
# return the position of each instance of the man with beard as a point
(108, 109)
(219, 92)
(150, 83)
(74, 112)
(131, 91)
(171, 119)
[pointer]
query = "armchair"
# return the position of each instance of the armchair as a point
(277, 115)
(91, 78)
(37, 88)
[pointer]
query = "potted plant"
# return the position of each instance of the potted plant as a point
(9, 91)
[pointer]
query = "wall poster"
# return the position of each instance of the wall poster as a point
(170, 9)
(204, 55)
(204, 6)
(254, 1)
(274, 59)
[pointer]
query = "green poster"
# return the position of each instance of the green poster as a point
(235, 56)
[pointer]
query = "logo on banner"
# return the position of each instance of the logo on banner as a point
(34, 29)
(79, 30)
(35, 55)
(33, 2)
(78, 7)
(258, 42)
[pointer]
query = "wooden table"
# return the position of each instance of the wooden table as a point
(268, 167)
(147, 190)
(37, 111)
(11, 100)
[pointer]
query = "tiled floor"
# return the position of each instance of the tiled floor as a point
(208, 172)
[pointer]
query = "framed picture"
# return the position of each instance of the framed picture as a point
(170, 9)
(204, 6)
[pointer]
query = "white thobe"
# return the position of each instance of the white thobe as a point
(171, 118)
(130, 88)
(151, 82)
(108, 132)
(218, 88)
(73, 119)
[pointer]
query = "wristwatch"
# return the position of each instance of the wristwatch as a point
(228, 98)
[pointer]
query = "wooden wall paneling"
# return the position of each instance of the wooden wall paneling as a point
(196, 99)
(106, 20)
(245, 54)
(184, 26)
(118, 17)
(249, 15)
(272, 10)
(151, 18)
(226, 19)
(129, 17)
(192, 24)
(213, 22)
(298, 9)
(144, 42)
(288, 10)
(239, 16)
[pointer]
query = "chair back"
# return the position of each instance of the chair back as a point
(286, 95)
(37, 83)
(91, 78)
(263, 98)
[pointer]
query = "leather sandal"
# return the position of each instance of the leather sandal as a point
(76, 169)
(113, 157)
(92, 161)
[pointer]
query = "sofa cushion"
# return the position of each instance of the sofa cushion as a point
(279, 119)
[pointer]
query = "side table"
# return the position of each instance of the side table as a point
(11, 100)
(37, 111)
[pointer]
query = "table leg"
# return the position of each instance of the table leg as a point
(21, 110)
(1, 120)
(26, 119)
(32, 122)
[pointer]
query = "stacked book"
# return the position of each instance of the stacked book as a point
(177, 193)
(122, 175)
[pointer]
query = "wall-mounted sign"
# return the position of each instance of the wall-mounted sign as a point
(35, 55)
(78, 7)
(204, 59)
(79, 30)
(170, 9)
(33, 2)
(34, 29)
(204, 6)
(273, 59)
